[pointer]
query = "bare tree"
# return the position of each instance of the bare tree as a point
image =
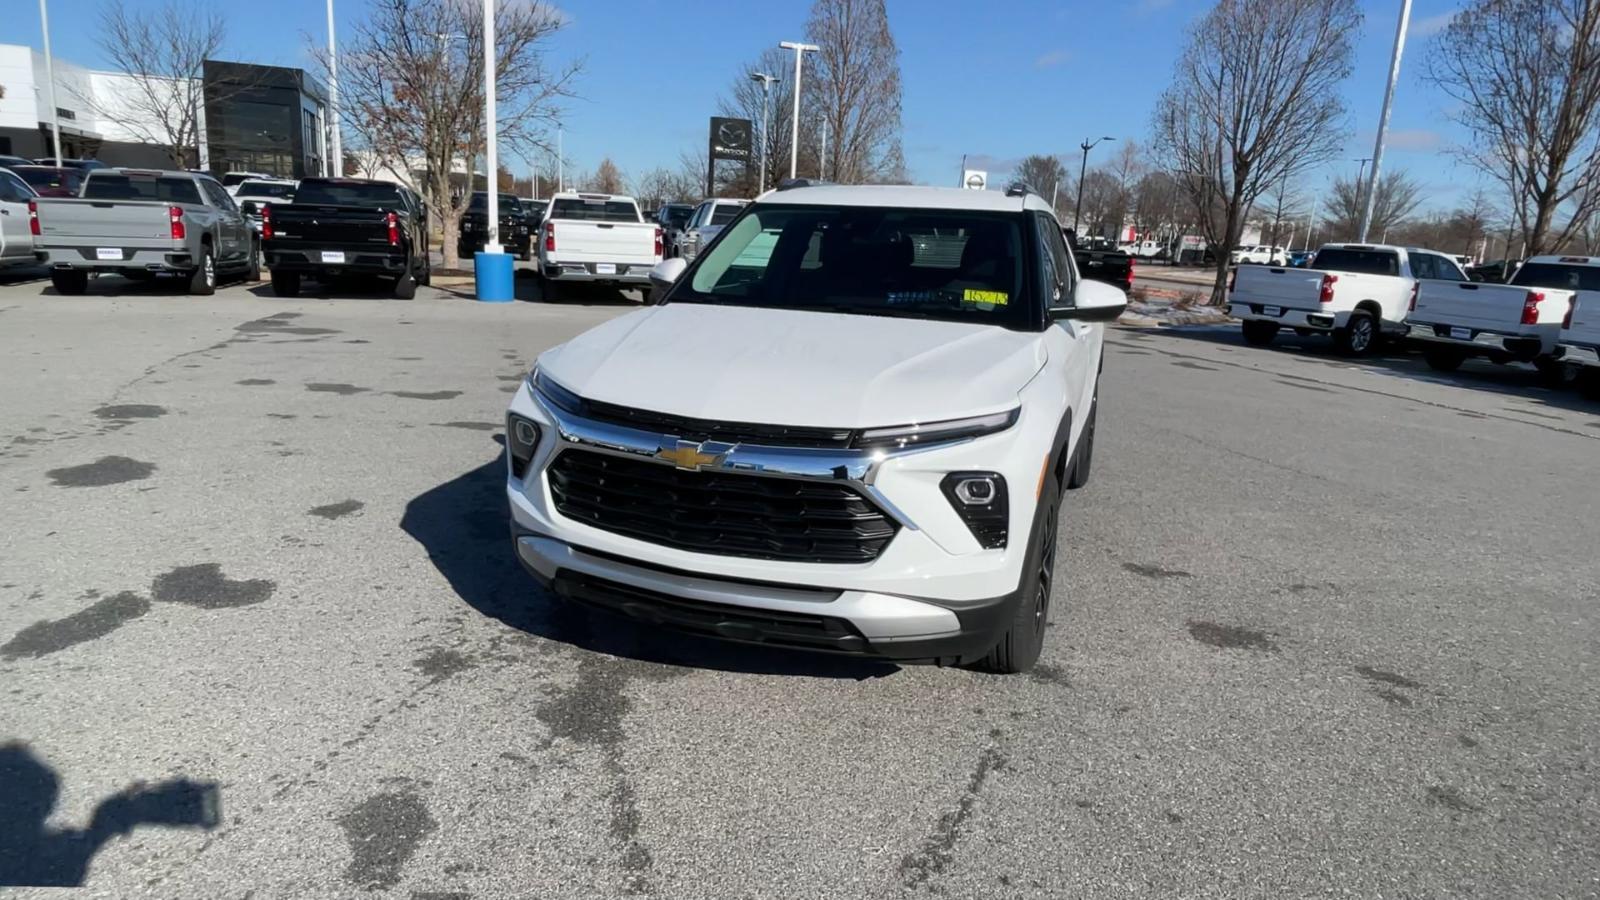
(744, 100)
(607, 178)
(1525, 75)
(1397, 197)
(162, 51)
(1254, 98)
(1103, 203)
(855, 85)
(660, 185)
(411, 86)
(1045, 174)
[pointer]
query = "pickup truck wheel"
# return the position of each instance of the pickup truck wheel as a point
(425, 277)
(1588, 382)
(252, 270)
(1258, 333)
(286, 284)
(71, 282)
(405, 288)
(1359, 337)
(1019, 649)
(1083, 459)
(203, 280)
(1443, 359)
(1552, 372)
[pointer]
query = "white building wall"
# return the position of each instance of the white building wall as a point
(18, 108)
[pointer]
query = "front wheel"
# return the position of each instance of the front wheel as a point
(1258, 333)
(1443, 359)
(1553, 372)
(1019, 648)
(1083, 459)
(1359, 337)
(425, 277)
(70, 282)
(1588, 382)
(252, 270)
(203, 280)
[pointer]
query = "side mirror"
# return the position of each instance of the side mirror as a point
(664, 273)
(1092, 301)
(248, 207)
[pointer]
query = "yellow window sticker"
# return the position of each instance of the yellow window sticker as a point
(988, 298)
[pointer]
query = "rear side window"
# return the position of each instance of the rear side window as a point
(1365, 262)
(1558, 277)
(723, 213)
(597, 210)
(50, 179)
(141, 187)
(1422, 266)
(275, 190)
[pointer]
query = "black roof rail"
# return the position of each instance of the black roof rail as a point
(789, 184)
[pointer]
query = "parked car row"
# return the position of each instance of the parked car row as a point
(1548, 315)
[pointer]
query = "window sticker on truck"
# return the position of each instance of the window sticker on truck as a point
(985, 298)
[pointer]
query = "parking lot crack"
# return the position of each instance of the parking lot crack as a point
(938, 849)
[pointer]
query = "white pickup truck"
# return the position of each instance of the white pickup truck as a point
(1355, 292)
(1518, 321)
(597, 238)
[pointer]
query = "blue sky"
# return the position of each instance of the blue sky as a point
(996, 80)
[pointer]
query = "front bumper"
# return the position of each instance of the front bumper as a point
(856, 623)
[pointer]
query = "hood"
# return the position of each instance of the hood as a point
(792, 367)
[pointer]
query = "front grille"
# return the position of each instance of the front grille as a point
(725, 513)
(723, 620)
(701, 430)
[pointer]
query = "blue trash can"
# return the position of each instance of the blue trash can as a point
(495, 274)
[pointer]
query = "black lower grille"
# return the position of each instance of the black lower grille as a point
(721, 620)
(729, 514)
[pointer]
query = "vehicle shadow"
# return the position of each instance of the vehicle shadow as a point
(14, 275)
(1396, 358)
(463, 526)
(537, 290)
(33, 854)
(347, 288)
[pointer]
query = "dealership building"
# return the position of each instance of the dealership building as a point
(268, 119)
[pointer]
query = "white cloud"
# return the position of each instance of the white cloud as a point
(1052, 59)
(1429, 26)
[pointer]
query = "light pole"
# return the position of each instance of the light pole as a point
(1361, 184)
(491, 152)
(822, 161)
(794, 143)
(561, 161)
(766, 96)
(1083, 171)
(335, 165)
(1383, 118)
(50, 78)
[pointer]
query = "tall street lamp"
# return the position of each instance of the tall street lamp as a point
(1083, 171)
(335, 166)
(491, 152)
(1383, 118)
(50, 78)
(766, 94)
(800, 51)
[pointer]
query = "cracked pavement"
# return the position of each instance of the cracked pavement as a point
(1327, 629)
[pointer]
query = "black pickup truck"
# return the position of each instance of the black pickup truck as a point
(1100, 259)
(346, 226)
(516, 226)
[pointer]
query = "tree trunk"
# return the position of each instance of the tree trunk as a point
(450, 224)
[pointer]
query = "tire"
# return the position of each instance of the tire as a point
(1588, 382)
(1018, 649)
(286, 284)
(1359, 337)
(1083, 457)
(425, 277)
(70, 282)
(527, 254)
(405, 287)
(1258, 333)
(1552, 372)
(545, 290)
(252, 269)
(1443, 359)
(203, 280)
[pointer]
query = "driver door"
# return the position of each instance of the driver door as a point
(1078, 344)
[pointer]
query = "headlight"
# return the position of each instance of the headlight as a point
(522, 438)
(931, 432)
(980, 500)
(553, 393)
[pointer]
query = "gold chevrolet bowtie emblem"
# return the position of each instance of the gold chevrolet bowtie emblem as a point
(687, 454)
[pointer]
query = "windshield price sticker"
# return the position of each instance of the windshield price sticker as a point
(985, 298)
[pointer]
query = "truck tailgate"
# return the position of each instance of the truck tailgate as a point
(328, 226)
(67, 222)
(1481, 307)
(589, 242)
(1278, 286)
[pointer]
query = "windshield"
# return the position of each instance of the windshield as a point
(723, 213)
(596, 210)
(374, 195)
(172, 189)
(230, 179)
(275, 190)
(929, 264)
(50, 179)
(509, 203)
(1365, 262)
(1558, 277)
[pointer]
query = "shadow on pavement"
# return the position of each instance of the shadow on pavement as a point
(464, 525)
(350, 287)
(537, 290)
(23, 275)
(33, 854)
(1395, 358)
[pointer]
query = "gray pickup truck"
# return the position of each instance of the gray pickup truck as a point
(141, 223)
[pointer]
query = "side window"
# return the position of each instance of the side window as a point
(217, 196)
(1055, 260)
(1422, 266)
(13, 190)
(1448, 269)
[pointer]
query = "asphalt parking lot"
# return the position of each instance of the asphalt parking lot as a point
(1328, 629)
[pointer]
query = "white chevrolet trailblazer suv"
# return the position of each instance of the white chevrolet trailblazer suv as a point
(846, 426)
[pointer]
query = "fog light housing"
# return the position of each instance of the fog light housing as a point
(979, 498)
(522, 438)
